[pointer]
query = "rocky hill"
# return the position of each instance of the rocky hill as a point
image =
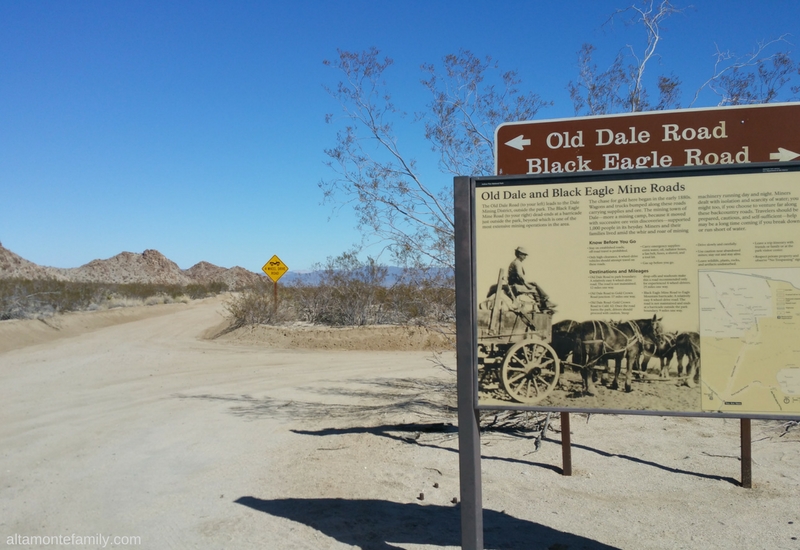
(128, 267)
(14, 266)
(235, 277)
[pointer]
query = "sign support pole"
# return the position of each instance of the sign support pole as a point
(566, 445)
(275, 269)
(469, 443)
(747, 456)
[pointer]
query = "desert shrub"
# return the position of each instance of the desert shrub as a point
(350, 292)
(115, 301)
(254, 306)
(355, 292)
(196, 291)
(159, 299)
(425, 296)
(26, 299)
(143, 291)
(310, 302)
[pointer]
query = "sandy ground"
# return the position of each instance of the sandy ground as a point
(134, 423)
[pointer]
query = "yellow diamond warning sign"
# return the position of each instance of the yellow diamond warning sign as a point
(275, 268)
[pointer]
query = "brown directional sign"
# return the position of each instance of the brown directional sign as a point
(660, 139)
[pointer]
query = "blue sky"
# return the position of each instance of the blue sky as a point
(198, 128)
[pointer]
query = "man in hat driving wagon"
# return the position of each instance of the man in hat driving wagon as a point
(522, 285)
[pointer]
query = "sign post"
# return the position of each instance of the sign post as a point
(275, 269)
(469, 448)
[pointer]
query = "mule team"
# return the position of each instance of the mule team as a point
(597, 343)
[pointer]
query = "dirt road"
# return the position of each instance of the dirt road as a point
(146, 429)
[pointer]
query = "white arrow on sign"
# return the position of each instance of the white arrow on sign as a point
(518, 142)
(783, 155)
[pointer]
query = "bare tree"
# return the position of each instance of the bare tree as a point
(596, 93)
(756, 77)
(466, 110)
(411, 215)
(650, 16)
(621, 87)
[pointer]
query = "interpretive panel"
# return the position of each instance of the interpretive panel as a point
(674, 292)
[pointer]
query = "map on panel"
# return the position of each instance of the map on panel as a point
(750, 340)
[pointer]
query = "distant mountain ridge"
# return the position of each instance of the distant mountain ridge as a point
(394, 275)
(150, 267)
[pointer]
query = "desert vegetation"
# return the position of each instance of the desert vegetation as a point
(29, 299)
(346, 292)
(351, 292)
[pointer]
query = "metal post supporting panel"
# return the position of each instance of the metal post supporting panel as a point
(747, 454)
(469, 445)
(566, 445)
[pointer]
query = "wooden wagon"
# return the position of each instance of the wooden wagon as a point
(514, 344)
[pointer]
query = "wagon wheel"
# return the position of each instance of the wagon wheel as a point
(530, 371)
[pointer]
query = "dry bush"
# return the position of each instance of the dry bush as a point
(113, 302)
(356, 292)
(27, 299)
(425, 297)
(159, 299)
(254, 306)
(352, 293)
